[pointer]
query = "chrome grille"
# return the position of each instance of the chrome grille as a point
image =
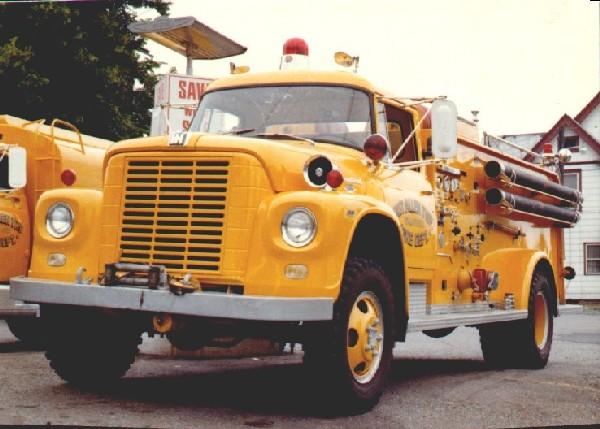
(173, 213)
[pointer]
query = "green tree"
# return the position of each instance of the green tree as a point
(77, 62)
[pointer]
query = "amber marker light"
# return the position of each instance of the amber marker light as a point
(375, 147)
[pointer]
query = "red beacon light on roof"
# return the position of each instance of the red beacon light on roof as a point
(295, 54)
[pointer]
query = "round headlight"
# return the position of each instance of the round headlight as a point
(298, 227)
(59, 220)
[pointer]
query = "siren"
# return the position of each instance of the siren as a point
(295, 54)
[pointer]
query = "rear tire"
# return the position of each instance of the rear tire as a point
(523, 343)
(350, 358)
(88, 349)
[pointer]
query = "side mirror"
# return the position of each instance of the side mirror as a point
(443, 129)
(17, 167)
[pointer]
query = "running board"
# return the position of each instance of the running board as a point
(451, 320)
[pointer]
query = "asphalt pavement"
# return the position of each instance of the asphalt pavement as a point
(435, 383)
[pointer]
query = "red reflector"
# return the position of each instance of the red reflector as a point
(68, 177)
(376, 146)
(548, 148)
(295, 46)
(481, 279)
(335, 178)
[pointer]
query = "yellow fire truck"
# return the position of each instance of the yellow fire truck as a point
(37, 158)
(310, 207)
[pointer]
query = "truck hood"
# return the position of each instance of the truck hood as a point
(282, 159)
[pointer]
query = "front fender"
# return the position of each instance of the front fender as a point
(515, 267)
(81, 245)
(337, 217)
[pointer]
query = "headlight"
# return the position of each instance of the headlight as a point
(59, 220)
(298, 227)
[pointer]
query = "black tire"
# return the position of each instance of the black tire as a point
(524, 343)
(30, 330)
(90, 350)
(351, 378)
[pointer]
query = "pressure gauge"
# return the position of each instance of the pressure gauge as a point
(454, 184)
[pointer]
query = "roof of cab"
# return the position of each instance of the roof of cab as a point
(293, 77)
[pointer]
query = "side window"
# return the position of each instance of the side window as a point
(572, 179)
(399, 126)
(382, 120)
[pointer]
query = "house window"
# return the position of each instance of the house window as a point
(591, 253)
(572, 179)
(571, 143)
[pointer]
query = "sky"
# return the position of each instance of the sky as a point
(521, 63)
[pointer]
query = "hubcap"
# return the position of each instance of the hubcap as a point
(541, 320)
(365, 337)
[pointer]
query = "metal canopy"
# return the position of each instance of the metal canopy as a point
(189, 37)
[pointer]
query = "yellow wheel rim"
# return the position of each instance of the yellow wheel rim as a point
(365, 337)
(541, 320)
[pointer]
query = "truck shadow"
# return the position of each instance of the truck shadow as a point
(270, 389)
(13, 346)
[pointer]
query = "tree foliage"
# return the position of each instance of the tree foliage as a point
(77, 62)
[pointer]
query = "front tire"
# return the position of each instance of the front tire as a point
(350, 359)
(523, 343)
(29, 330)
(89, 349)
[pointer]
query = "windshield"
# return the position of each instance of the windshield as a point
(331, 114)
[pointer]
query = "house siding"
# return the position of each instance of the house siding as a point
(587, 230)
(591, 123)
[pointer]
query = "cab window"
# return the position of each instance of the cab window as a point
(399, 124)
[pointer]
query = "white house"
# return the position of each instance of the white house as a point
(581, 134)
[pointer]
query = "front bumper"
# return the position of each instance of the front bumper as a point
(12, 308)
(201, 304)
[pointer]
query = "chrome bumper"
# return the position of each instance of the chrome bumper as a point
(201, 304)
(12, 308)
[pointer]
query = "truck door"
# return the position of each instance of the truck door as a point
(409, 192)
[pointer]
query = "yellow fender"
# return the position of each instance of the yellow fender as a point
(80, 246)
(337, 215)
(516, 267)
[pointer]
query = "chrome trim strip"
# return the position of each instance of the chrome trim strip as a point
(201, 304)
(423, 323)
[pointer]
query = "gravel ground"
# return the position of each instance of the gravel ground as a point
(434, 383)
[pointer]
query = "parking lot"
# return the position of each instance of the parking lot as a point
(434, 383)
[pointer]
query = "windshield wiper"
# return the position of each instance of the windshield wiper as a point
(336, 142)
(238, 132)
(284, 137)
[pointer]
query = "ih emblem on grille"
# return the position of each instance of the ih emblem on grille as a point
(178, 138)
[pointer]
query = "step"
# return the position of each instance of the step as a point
(427, 322)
